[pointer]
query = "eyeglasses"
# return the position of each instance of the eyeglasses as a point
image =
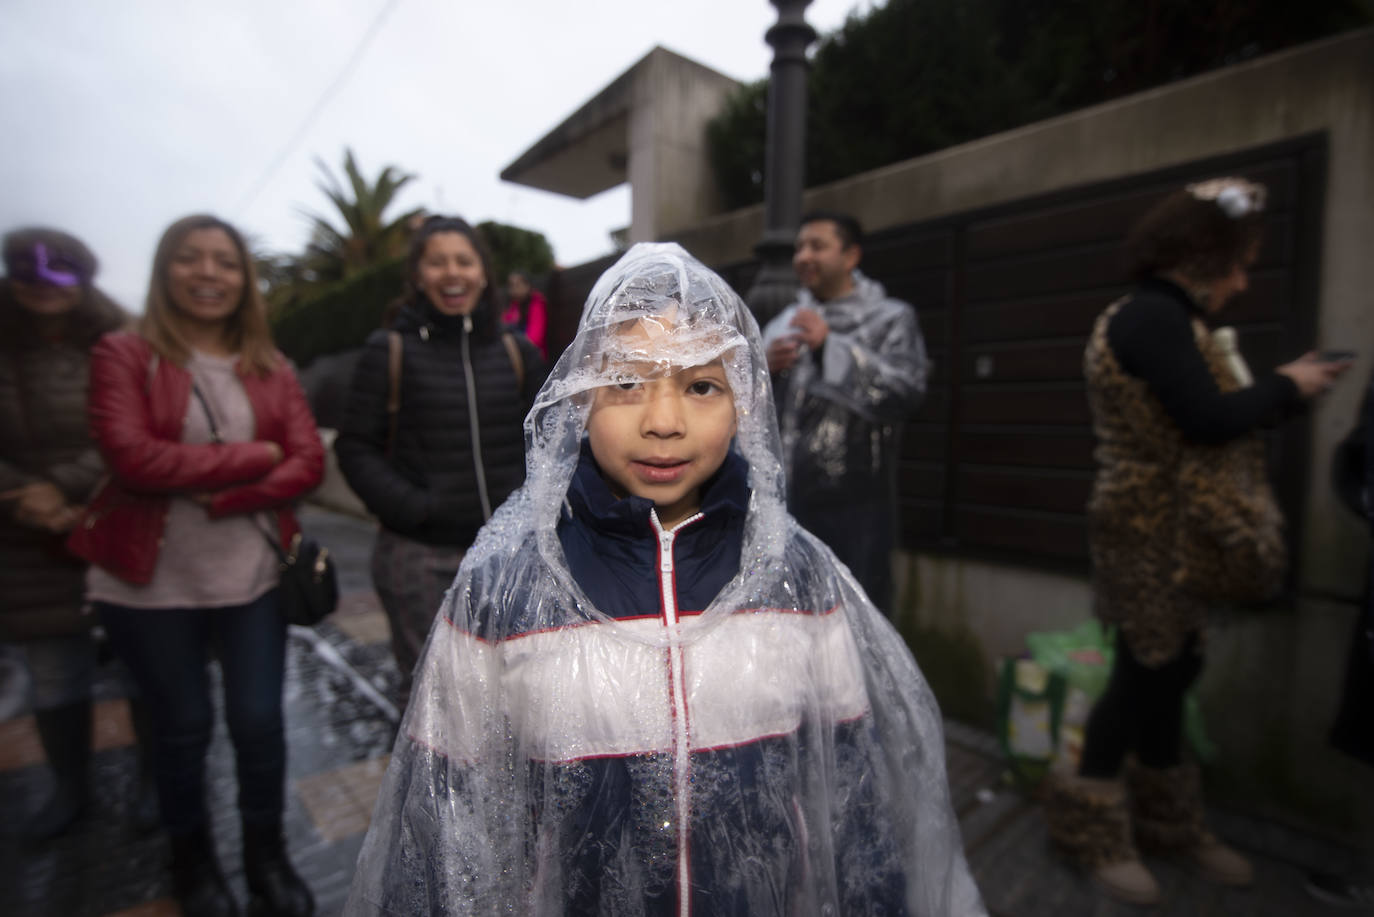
(1235, 196)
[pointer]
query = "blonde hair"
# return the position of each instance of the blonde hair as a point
(246, 331)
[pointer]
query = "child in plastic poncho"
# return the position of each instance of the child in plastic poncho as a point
(649, 691)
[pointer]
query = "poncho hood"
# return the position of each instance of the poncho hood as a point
(693, 318)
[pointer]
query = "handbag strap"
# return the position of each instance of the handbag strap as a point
(215, 436)
(283, 555)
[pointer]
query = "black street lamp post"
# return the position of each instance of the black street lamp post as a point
(785, 160)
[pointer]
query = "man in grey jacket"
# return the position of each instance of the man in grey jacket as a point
(848, 366)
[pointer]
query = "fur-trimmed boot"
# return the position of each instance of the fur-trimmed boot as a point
(1090, 823)
(1168, 817)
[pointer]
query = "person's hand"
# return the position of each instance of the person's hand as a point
(66, 519)
(276, 450)
(1313, 376)
(811, 328)
(42, 506)
(783, 353)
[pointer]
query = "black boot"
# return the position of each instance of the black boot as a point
(197, 882)
(66, 735)
(274, 886)
(143, 807)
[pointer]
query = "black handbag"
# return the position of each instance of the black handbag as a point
(309, 584)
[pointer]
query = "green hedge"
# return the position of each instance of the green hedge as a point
(341, 317)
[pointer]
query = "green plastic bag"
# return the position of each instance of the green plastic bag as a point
(1083, 655)
(1043, 701)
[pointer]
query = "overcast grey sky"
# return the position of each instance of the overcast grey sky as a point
(123, 116)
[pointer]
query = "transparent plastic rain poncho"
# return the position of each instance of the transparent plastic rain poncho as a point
(841, 415)
(777, 753)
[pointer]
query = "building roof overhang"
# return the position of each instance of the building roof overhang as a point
(589, 151)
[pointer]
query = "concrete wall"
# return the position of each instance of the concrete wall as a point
(1270, 689)
(670, 176)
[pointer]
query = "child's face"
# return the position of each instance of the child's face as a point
(663, 438)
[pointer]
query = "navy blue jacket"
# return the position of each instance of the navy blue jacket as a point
(612, 551)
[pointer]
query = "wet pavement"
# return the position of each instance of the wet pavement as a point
(340, 694)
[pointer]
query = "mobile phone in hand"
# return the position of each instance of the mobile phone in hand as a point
(1336, 356)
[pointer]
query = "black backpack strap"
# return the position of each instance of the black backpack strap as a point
(517, 360)
(395, 350)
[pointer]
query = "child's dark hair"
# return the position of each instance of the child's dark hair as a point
(1202, 231)
(846, 227)
(486, 316)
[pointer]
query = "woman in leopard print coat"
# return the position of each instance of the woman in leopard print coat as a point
(1163, 391)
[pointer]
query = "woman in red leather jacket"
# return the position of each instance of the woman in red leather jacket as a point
(209, 439)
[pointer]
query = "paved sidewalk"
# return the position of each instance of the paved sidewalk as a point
(340, 682)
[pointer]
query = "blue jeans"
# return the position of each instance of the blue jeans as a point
(166, 651)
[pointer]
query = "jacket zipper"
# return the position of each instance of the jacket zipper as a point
(473, 422)
(677, 690)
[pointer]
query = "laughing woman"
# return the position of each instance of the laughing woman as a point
(209, 439)
(433, 438)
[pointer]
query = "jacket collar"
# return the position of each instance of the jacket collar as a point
(419, 313)
(1165, 287)
(865, 291)
(724, 497)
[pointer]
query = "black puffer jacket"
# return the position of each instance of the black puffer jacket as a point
(44, 437)
(431, 485)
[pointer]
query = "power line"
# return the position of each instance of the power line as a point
(324, 99)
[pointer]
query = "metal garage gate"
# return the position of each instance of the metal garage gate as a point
(998, 462)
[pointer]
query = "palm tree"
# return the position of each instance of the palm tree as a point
(366, 237)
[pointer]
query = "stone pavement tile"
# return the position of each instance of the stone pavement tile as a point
(329, 871)
(112, 727)
(364, 779)
(971, 772)
(331, 807)
(353, 602)
(361, 619)
(340, 801)
(329, 723)
(21, 747)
